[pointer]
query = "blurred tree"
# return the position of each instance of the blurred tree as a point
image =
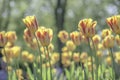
(5, 12)
(59, 13)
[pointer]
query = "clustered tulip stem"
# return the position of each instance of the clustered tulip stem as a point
(17, 66)
(70, 67)
(49, 63)
(40, 57)
(113, 63)
(91, 58)
(96, 60)
(85, 75)
(34, 72)
(46, 70)
(82, 65)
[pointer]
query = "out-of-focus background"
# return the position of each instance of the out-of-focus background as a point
(56, 14)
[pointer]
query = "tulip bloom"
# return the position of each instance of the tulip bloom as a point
(11, 36)
(108, 41)
(31, 23)
(63, 35)
(44, 35)
(76, 57)
(87, 27)
(105, 33)
(96, 40)
(70, 45)
(16, 51)
(108, 60)
(28, 36)
(114, 23)
(117, 39)
(76, 37)
(3, 39)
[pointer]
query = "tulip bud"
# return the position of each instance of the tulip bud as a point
(11, 36)
(108, 60)
(30, 57)
(25, 55)
(96, 39)
(108, 42)
(105, 33)
(63, 36)
(76, 37)
(76, 57)
(28, 36)
(70, 45)
(117, 39)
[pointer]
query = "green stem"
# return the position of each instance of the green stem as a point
(96, 60)
(40, 57)
(82, 65)
(113, 63)
(70, 68)
(49, 64)
(34, 70)
(46, 70)
(91, 58)
(85, 75)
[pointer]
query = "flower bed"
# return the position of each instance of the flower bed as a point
(98, 62)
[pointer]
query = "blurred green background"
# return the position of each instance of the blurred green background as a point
(56, 14)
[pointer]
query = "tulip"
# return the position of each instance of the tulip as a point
(44, 35)
(87, 27)
(63, 36)
(105, 33)
(76, 37)
(108, 42)
(3, 39)
(31, 23)
(114, 23)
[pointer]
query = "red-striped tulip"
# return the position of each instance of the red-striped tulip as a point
(31, 23)
(87, 27)
(114, 23)
(76, 37)
(11, 36)
(108, 41)
(3, 39)
(28, 36)
(44, 35)
(63, 36)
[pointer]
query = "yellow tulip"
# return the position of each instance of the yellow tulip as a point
(31, 23)
(44, 35)
(114, 23)
(87, 27)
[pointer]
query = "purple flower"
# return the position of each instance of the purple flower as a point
(3, 75)
(60, 70)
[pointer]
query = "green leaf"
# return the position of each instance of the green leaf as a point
(80, 73)
(30, 73)
(44, 73)
(72, 70)
(48, 74)
(61, 77)
(14, 77)
(67, 74)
